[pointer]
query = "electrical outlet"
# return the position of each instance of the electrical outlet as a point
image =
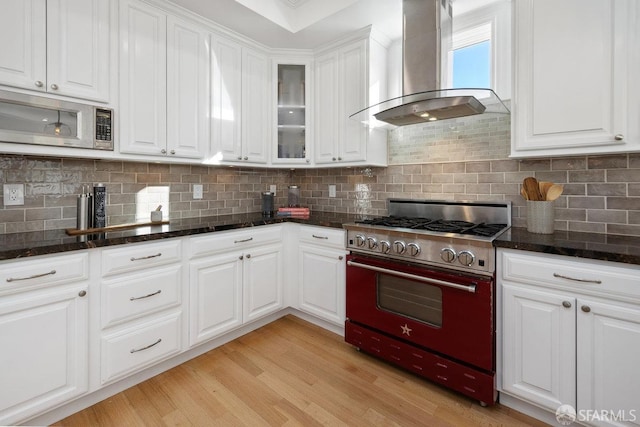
(272, 188)
(197, 191)
(13, 194)
(332, 190)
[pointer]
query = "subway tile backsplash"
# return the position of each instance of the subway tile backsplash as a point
(602, 193)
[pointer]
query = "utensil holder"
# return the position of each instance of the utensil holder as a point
(540, 217)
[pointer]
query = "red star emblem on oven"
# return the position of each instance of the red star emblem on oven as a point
(406, 330)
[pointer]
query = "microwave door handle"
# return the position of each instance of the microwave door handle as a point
(468, 288)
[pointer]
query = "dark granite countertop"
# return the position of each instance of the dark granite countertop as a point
(604, 247)
(19, 245)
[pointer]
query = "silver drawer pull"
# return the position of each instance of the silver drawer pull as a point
(244, 240)
(135, 350)
(146, 296)
(560, 276)
(146, 257)
(35, 276)
(319, 237)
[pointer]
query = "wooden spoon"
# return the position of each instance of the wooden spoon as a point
(532, 188)
(523, 193)
(554, 192)
(544, 188)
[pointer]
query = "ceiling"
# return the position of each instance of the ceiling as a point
(299, 24)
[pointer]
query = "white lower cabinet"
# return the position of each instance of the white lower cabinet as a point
(140, 308)
(570, 335)
(43, 336)
(321, 274)
(235, 277)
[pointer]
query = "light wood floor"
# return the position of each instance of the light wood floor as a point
(290, 373)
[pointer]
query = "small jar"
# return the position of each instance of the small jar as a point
(293, 196)
(267, 203)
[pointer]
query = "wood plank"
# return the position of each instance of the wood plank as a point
(291, 373)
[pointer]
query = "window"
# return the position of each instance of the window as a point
(470, 58)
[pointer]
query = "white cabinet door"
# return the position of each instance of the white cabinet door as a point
(44, 356)
(78, 48)
(187, 89)
(143, 79)
(255, 107)
(608, 348)
(352, 96)
(262, 281)
(24, 52)
(321, 279)
(226, 100)
(538, 346)
(57, 46)
(327, 131)
(576, 67)
(215, 296)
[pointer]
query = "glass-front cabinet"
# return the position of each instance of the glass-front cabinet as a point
(292, 135)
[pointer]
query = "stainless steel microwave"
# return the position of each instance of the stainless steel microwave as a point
(31, 119)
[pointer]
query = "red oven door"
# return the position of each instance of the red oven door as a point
(446, 312)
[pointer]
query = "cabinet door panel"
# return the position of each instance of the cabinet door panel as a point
(255, 106)
(216, 296)
(78, 48)
(44, 352)
(23, 55)
(608, 346)
(188, 88)
(538, 346)
(143, 79)
(262, 272)
(353, 90)
(326, 123)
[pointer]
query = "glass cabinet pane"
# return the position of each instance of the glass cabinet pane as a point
(291, 111)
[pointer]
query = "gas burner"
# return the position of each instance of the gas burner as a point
(486, 230)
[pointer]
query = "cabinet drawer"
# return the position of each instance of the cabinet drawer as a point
(139, 256)
(561, 272)
(139, 346)
(323, 236)
(37, 272)
(140, 294)
(224, 241)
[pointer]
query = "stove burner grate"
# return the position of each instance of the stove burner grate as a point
(436, 225)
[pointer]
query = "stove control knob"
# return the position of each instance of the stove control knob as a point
(360, 240)
(414, 249)
(372, 242)
(466, 258)
(448, 255)
(385, 246)
(400, 247)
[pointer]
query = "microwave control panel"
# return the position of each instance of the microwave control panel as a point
(104, 129)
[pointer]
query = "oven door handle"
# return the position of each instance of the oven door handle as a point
(468, 288)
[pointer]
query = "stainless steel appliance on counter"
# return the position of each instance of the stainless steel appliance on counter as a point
(31, 119)
(421, 290)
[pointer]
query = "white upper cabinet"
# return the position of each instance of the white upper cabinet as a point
(60, 47)
(292, 136)
(348, 78)
(164, 83)
(255, 106)
(576, 89)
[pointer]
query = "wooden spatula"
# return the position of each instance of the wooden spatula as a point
(532, 188)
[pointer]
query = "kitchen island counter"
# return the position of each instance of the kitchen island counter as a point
(20, 245)
(603, 247)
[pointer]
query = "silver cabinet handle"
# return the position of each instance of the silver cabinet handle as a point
(146, 296)
(54, 86)
(585, 308)
(339, 158)
(39, 83)
(173, 151)
(135, 350)
(82, 293)
(560, 276)
(307, 160)
(244, 240)
(35, 276)
(333, 158)
(468, 288)
(146, 257)
(340, 257)
(239, 157)
(246, 158)
(241, 257)
(619, 137)
(566, 304)
(163, 151)
(320, 237)
(248, 256)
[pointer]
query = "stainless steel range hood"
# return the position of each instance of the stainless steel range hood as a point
(425, 49)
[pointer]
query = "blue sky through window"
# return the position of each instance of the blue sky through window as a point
(471, 66)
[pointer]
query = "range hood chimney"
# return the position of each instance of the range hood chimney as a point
(427, 31)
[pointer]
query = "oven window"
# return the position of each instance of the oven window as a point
(408, 298)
